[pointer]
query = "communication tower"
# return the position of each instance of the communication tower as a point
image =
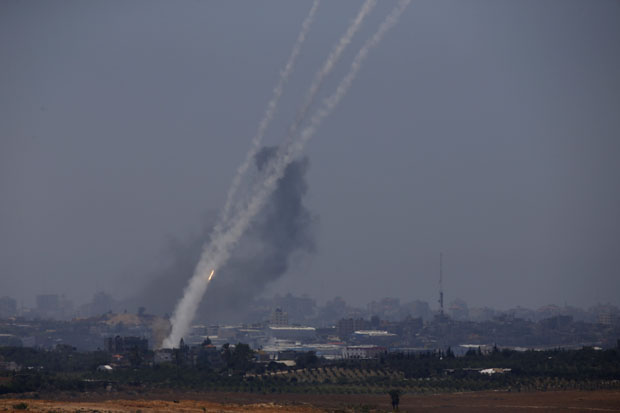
(441, 283)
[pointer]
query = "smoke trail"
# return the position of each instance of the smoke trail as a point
(319, 78)
(221, 239)
(295, 147)
(219, 250)
(330, 103)
(331, 60)
(268, 116)
(284, 230)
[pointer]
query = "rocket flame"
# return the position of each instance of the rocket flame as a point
(211, 276)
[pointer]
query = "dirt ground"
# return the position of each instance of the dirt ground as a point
(565, 401)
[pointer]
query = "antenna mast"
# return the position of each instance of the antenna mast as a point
(441, 283)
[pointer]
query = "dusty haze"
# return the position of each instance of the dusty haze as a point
(484, 129)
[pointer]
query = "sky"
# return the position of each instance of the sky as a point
(486, 130)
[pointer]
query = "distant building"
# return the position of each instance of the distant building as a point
(347, 326)
(9, 366)
(387, 308)
(47, 303)
(495, 370)
(120, 344)
(327, 333)
(102, 303)
(54, 306)
(228, 332)
(208, 354)
(198, 330)
(557, 322)
(606, 317)
(279, 318)
(459, 310)
(363, 352)
(373, 336)
(164, 355)
(8, 307)
(292, 333)
(10, 340)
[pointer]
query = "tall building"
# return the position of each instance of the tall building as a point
(606, 317)
(347, 326)
(102, 303)
(54, 306)
(279, 318)
(48, 304)
(8, 307)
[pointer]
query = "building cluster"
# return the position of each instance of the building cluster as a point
(85, 334)
(57, 307)
(334, 331)
(355, 338)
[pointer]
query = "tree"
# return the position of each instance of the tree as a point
(306, 360)
(239, 359)
(449, 353)
(135, 357)
(242, 358)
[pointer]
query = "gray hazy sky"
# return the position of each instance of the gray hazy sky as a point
(489, 130)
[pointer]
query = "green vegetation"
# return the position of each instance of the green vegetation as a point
(236, 371)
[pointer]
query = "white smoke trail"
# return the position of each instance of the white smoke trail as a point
(289, 152)
(221, 239)
(268, 116)
(331, 60)
(319, 78)
(219, 250)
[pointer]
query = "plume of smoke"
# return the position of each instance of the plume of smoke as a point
(268, 116)
(290, 151)
(281, 232)
(165, 283)
(219, 250)
(316, 84)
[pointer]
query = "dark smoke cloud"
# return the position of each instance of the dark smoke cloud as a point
(284, 228)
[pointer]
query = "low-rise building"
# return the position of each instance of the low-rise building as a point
(120, 344)
(382, 337)
(363, 352)
(347, 326)
(164, 355)
(292, 333)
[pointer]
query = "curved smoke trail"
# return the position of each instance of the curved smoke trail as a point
(331, 60)
(318, 80)
(219, 250)
(292, 150)
(268, 116)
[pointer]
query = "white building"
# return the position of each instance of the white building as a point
(292, 333)
(363, 352)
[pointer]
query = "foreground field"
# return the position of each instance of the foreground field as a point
(573, 401)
